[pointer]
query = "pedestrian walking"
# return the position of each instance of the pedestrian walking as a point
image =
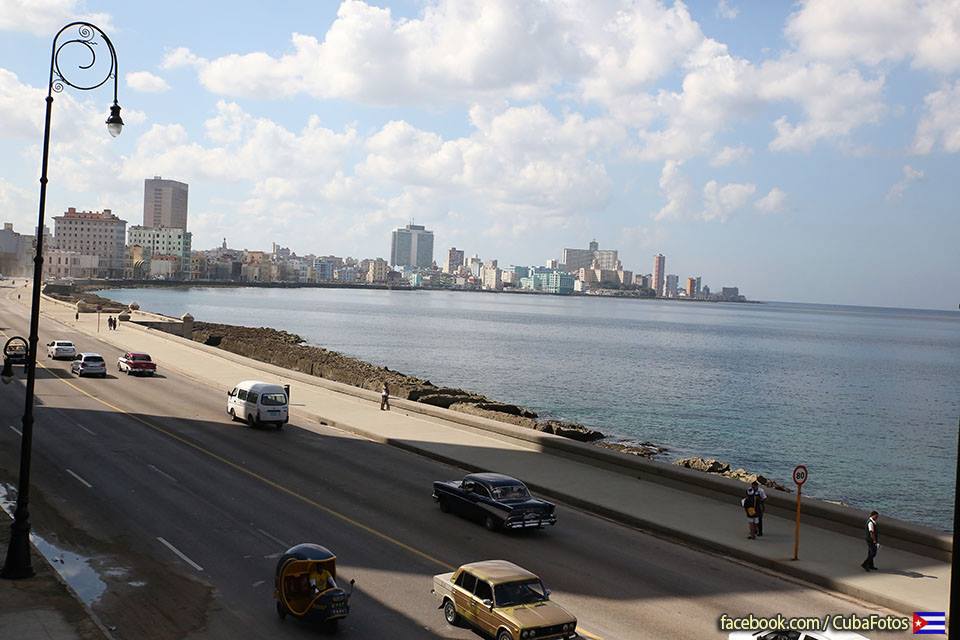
(750, 504)
(872, 531)
(385, 398)
(110, 323)
(76, 316)
(761, 495)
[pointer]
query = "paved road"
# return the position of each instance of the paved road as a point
(183, 514)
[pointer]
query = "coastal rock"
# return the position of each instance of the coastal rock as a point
(712, 465)
(572, 430)
(642, 449)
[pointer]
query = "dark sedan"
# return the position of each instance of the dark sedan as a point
(496, 500)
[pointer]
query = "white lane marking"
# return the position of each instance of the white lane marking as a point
(17, 431)
(85, 429)
(164, 474)
(180, 553)
(273, 556)
(258, 583)
(275, 539)
(89, 486)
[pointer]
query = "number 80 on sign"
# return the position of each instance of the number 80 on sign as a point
(800, 474)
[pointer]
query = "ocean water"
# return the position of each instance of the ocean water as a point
(867, 398)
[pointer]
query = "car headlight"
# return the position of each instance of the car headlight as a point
(566, 627)
(525, 634)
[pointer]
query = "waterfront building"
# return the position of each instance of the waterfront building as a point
(96, 233)
(730, 293)
(575, 259)
(164, 203)
(691, 287)
(474, 266)
(412, 246)
(59, 264)
(492, 276)
(642, 281)
(604, 278)
(548, 281)
(454, 260)
(697, 286)
(377, 270)
(16, 252)
(552, 263)
(670, 286)
(659, 267)
(163, 241)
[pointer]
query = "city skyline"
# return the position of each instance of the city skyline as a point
(744, 141)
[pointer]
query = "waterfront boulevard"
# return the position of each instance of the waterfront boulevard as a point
(181, 514)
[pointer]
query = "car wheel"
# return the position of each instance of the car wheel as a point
(491, 523)
(504, 635)
(444, 507)
(251, 421)
(450, 613)
(279, 426)
(233, 415)
(281, 610)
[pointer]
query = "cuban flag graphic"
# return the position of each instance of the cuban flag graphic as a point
(932, 622)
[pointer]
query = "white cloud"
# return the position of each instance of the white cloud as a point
(46, 17)
(927, 32)
(727, 11)
(146, 82)
(834, 102)
(729, 155)
(182, 57)
(940, 124)
(910, 175)
(720, 201)
(773, 202)
(676, 188)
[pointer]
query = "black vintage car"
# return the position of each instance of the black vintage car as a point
(496, 500)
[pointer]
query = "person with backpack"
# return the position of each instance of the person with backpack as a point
(751, 506)
(872, 531)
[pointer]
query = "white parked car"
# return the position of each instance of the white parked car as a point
(258, 403)
(61, 349)
(89, 364)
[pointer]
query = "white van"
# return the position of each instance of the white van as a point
(258, 403)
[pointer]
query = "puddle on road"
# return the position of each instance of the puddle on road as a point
(76, 570)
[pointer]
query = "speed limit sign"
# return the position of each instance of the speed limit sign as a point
(800, 474)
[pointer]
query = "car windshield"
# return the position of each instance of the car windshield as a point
(273, 399)
(64, 344)
(511, 594)
(511, 492)
(93, 359)
(140, 357)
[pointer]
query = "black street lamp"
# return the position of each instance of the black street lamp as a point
(86, 37)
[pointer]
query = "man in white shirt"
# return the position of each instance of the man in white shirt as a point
(872, 531)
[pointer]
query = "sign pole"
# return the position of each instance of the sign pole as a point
(800, 475)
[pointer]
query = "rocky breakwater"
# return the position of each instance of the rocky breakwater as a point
(719, 467)
(289, 351)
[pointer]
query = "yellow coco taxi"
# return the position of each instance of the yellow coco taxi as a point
(502, 600)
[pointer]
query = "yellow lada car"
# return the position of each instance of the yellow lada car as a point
(504, 601)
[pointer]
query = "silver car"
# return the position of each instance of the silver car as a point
(61, 349)
(89, 364)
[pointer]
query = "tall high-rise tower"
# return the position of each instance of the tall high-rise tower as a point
(164, 203)
(412, 246)
(659, 269)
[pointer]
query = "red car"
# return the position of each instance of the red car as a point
(139, 363)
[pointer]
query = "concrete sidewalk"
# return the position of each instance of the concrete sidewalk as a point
(42, 606)
(907, 581)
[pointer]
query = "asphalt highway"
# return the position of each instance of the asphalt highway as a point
(183, 514)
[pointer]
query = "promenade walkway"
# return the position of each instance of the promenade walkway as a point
(906, 581)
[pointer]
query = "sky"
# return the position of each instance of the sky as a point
(803, 151)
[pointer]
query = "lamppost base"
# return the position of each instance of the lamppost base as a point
(18, 565)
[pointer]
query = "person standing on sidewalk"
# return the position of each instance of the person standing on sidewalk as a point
(761, 495)
(385, 398)
(873, 541)
(750, 505)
